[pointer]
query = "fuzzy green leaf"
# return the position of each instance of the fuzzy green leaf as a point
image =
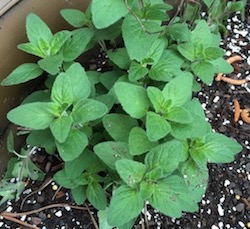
(77, 44)
(109, 152)
(221, 65)
(66, 182)
(204, 70)
(201, 34)
(96, 195)
(37, 29)
(136, 71)
(213, 53)
(156, 98)
(119, 57)
(79, 194)
(74, 17)
(51, 64)
(137, 40)
(37, 116)
(187, 50)
(133, 99)
(22, 74)
(31, 49)
(179, 32)
(119, 126)
(112, 11)
(60, 128)
(73, 146)
(196, 178)
(139, 142)
(179, 95)
(179, 115)
(80, 84)
(62, 92)
(88, 110)
(166, 156)
(43, 139)
(167, 196)
(156, 126)
(131, 172)
(127, 199)
(58, 41)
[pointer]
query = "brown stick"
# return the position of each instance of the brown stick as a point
(61, 205)
(244, 115)
(237, 110)
(20, 222)
(230, 60)
(233, 81)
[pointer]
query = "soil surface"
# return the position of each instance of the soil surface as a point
(226, 203)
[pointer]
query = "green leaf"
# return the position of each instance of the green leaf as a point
(139, 142)
(136, 71)
(61, 179)
(109, 152)
(51, 64)
(60, 128)
(133, 99)
(79, 194)
(204, 70)
(156, 126)
(36, 29)
(156, 98)
(42, 138)
(58, 41)
(187, 50)
(80, 84)
(96, 195)
(112, 11)
(167, 196)
(74, 17)
(87, 110)
(10, 142)
(119, 57)
(217, 148)
(62, 92)
(179, 32)
(166, 156)
(38, 96)
(77, 44)
(103, 219)
(196, 178)
(179, 95)
(75, 167)
(137, 40)
(127, 199)
(73, 146)
(201, 34)
(179, 114)
(119, 126)
(221, 65)
(31, 49)
(22, 74)
(213, 53)
(37, 116)
(131, 172)
(197, 128)
(156, 50)
(109, 78)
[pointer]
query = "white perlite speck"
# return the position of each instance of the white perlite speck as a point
(58, 214)
(214, 227)
(226, 183)
(220, 210)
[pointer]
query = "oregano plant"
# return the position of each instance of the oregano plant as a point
(133, 135)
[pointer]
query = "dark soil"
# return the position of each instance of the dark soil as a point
(227, 200)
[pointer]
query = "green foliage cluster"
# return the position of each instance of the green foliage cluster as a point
(134, 134)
